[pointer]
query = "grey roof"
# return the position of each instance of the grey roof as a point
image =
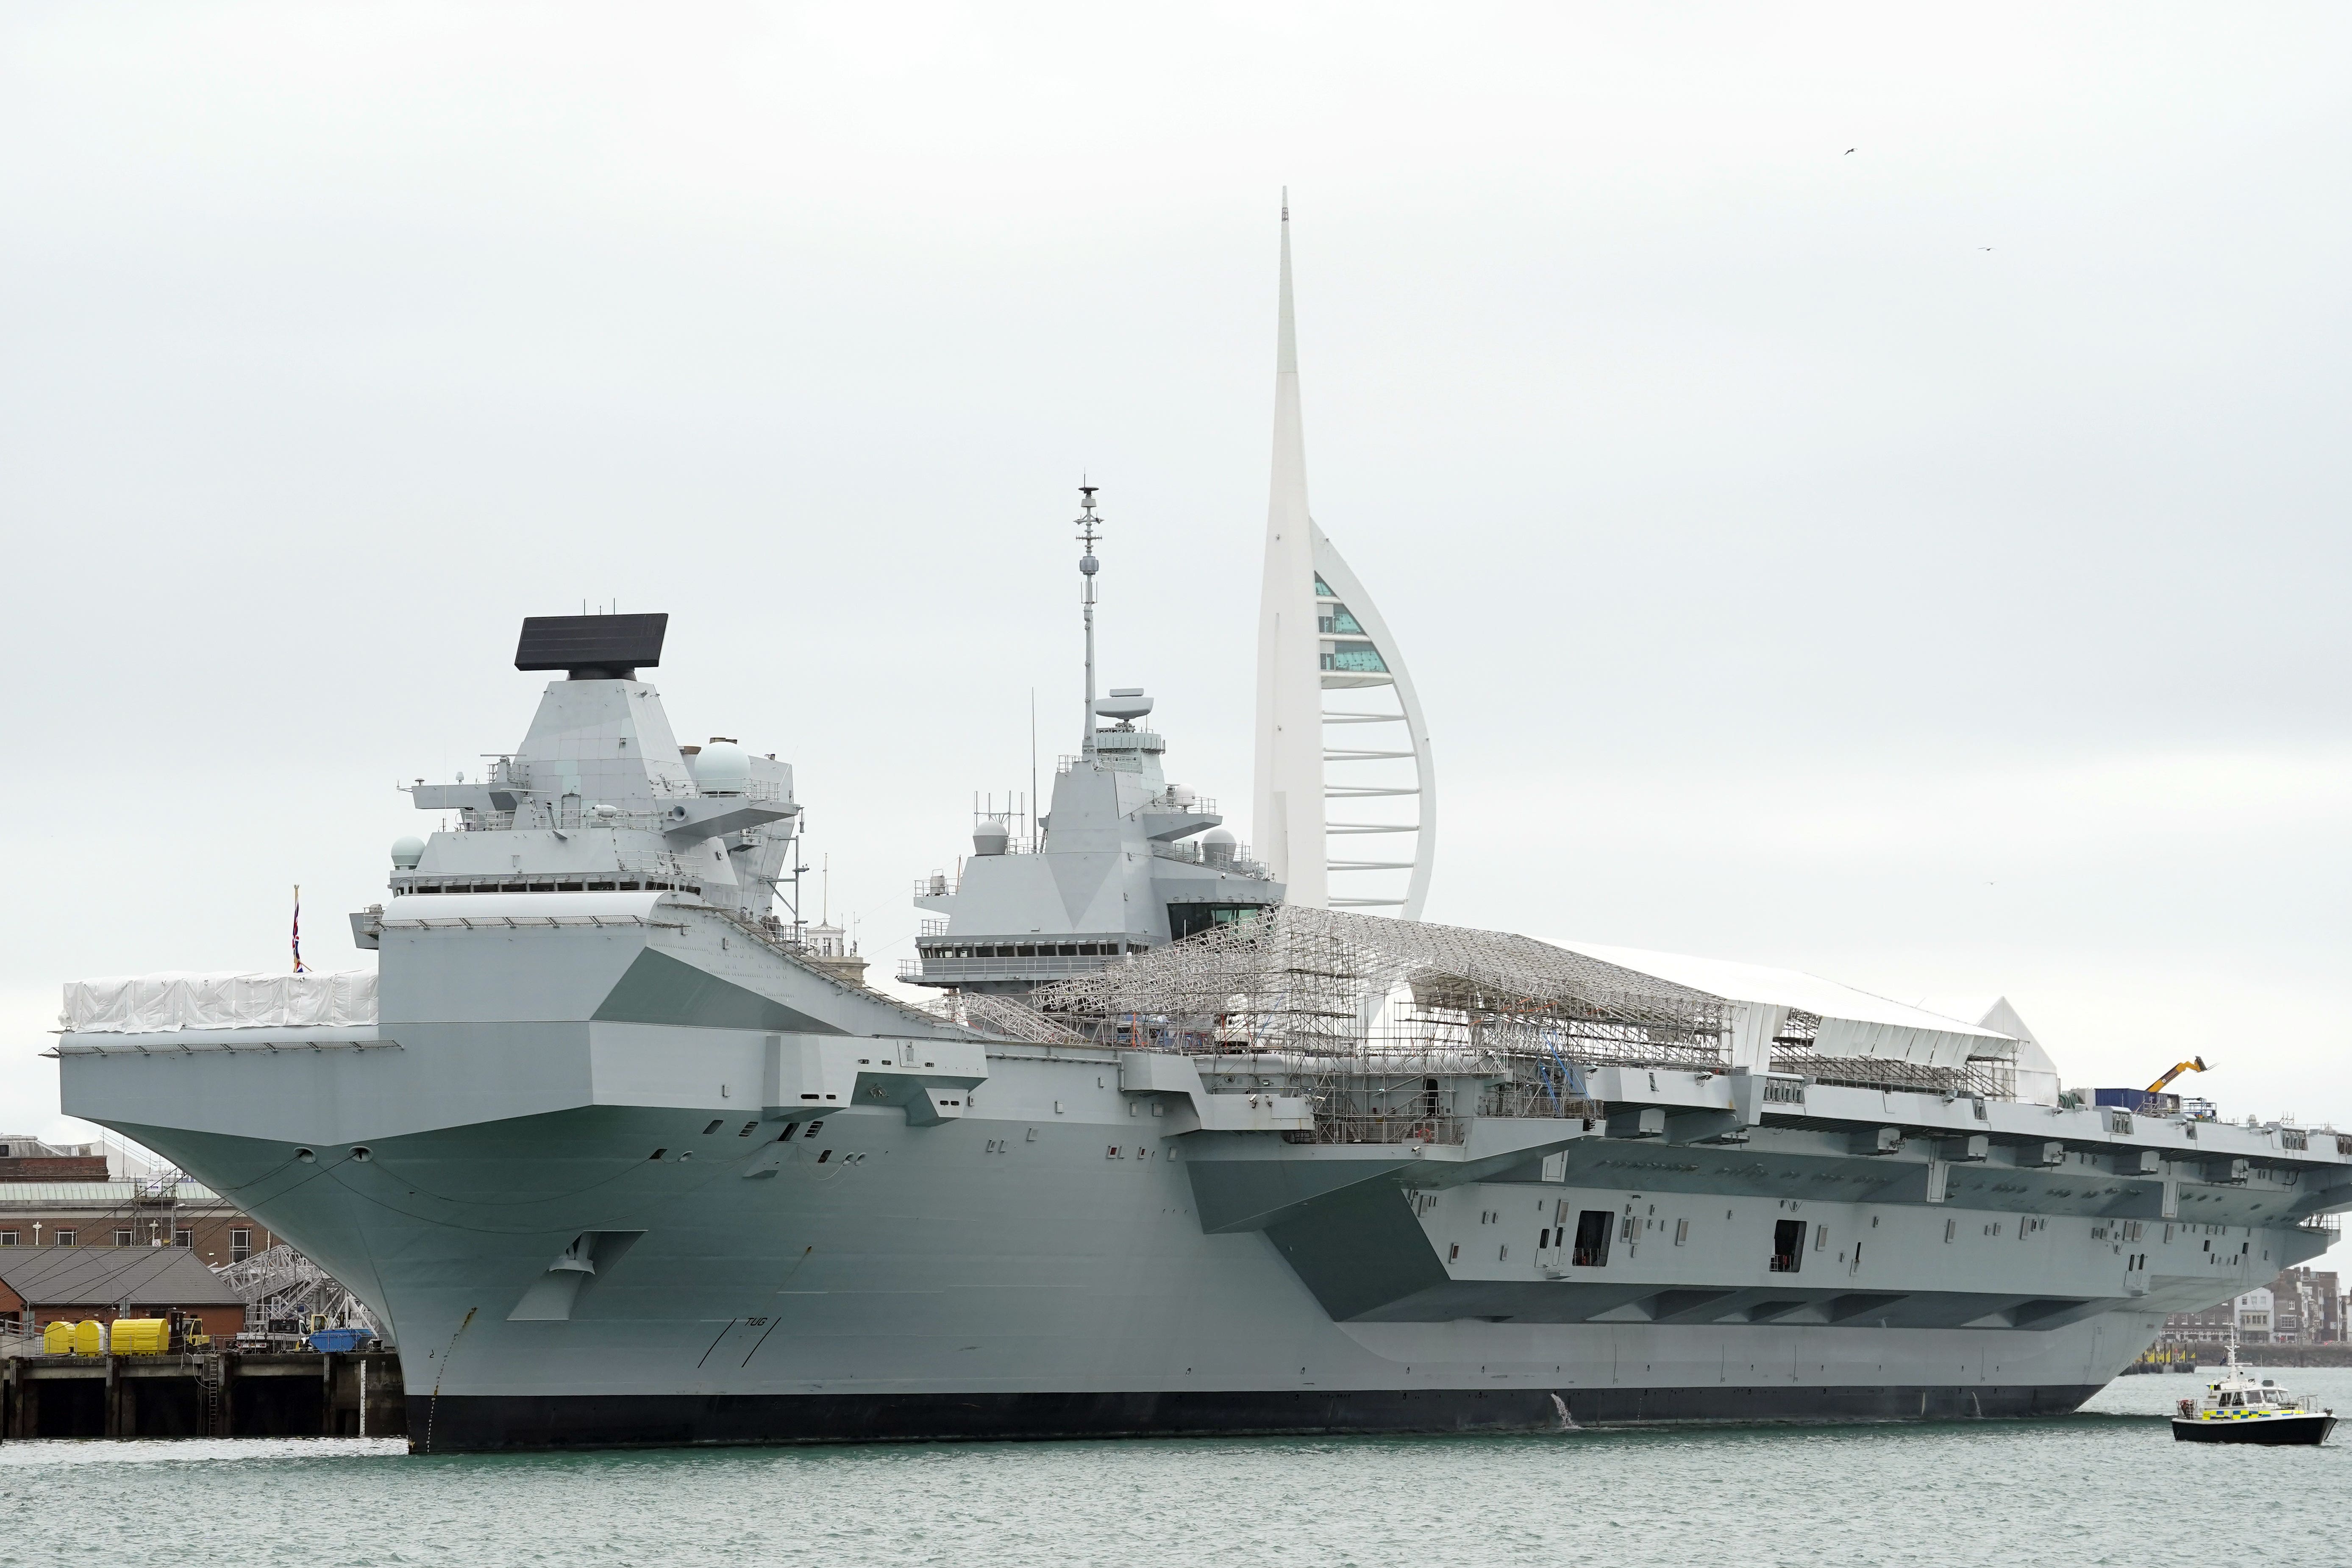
(125, 1190)
(108, 1275)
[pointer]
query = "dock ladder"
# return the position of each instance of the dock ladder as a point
(210, 1378)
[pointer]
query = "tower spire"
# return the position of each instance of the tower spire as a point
(1289, 774)
(1285, 341)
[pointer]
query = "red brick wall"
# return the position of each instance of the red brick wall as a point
(53, 1168)
(210, 1240)
(218, 1320)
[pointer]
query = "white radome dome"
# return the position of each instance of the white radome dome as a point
(406, 852)
(721, 768)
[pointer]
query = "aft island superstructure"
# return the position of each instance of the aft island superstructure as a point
(1126, 861)
(617, 1160)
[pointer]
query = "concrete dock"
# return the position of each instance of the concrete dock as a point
(278, 1393)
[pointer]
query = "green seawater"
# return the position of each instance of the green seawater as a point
(2107, 1485)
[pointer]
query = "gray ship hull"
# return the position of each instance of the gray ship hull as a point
(1040, 1266)
(946, 1292)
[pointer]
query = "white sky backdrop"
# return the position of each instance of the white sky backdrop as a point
(1789, 577)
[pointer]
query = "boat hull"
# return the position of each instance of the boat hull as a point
(2288, 1431)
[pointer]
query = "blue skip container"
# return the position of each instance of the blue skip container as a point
(339, 1339)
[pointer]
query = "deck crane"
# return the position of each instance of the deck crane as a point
(2194, 1064)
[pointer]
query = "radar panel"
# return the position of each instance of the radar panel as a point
(591, 647)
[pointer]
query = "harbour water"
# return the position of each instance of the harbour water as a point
(2107, 1485)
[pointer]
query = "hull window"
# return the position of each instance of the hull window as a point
(1592, 1228)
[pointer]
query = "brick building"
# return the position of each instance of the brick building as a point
(2301, 1307)
(52, 1284)
(136, 1212)
(2310, 1307)
(24, 1159)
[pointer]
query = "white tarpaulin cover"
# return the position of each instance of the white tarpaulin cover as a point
(140, 1003)
(1853, 1023)
(2037, 1074)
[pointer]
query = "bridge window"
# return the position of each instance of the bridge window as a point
(1192, 919)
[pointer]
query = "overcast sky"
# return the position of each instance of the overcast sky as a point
(1922, 565)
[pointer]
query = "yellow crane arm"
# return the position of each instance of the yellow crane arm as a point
(2194, 1064)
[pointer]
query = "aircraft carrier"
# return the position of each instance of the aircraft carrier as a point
(618, 1158)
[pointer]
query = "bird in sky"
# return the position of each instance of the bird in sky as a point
(1845, 153)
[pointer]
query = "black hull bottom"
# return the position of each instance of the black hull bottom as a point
(2272, 1431)
(449, 1423)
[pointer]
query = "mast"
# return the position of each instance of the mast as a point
(1087, 525)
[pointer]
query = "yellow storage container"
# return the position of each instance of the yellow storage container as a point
(141, 1336)
(58, 1338)
(89, 1337)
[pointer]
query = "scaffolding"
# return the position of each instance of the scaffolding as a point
(278, 1284)
(1005, 1018)
(1392, 1030)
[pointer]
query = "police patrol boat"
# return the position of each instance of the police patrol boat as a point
(2243, 1408)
